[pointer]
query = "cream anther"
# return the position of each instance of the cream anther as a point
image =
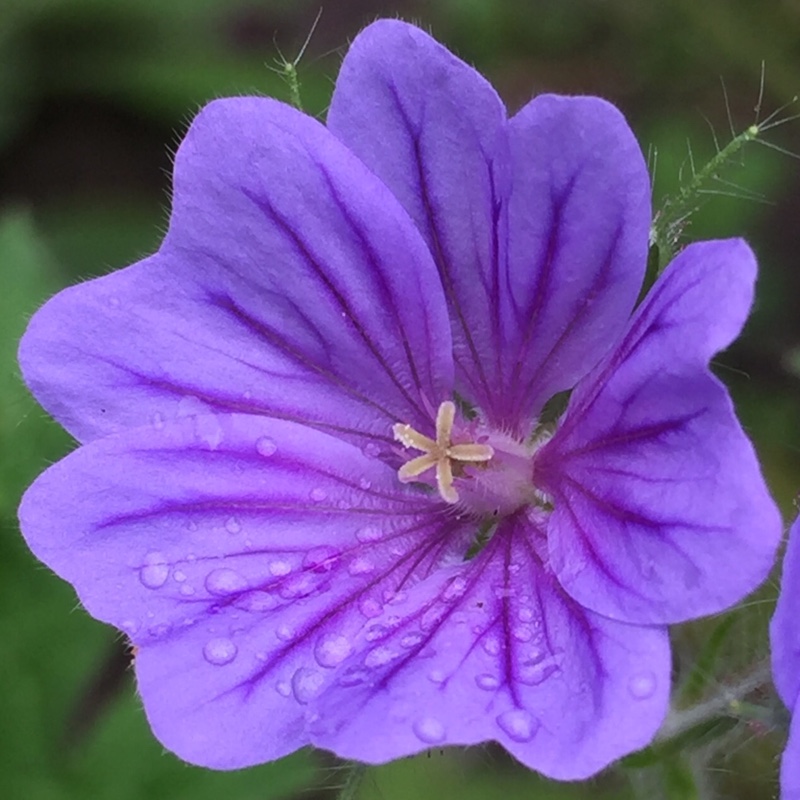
(440, 453)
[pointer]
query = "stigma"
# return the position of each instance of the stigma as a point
(440, 453)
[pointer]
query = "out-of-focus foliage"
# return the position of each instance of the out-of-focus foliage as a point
(94, 95)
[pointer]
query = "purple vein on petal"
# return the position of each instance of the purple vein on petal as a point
(331, 290)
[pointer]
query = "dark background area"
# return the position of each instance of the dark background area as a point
(94, 96)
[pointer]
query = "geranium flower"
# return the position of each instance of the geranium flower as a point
(314, 488)
(785, 636)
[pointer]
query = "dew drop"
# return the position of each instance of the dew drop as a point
(518, 724)
(365, 483)
(266, 447)
(437, 676)
(429, 730)
(224, 581)
(130, 626)
(306, 683)
(375, 632)
(158, 421)
(380, 657)
(522, 633)
(487, 681)
(155, 571)
(232, 525)
(455, 589)
(160, 630)
(353, 676)
(361, 566)
(321, 559)
(371, 449)
(411, 640)
(491, 645)
(179, 576)
(220, 651)
(369, 534)
(370, 608)
(283, 688)
(257, 602)
(525, 614)
(642, 686)
(318, 494)
(186, 590)
(285, 633)
(331, 649)
(280, 568)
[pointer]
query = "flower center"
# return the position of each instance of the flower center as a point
(486, 472)
(440, 453)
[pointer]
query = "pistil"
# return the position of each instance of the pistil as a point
(440, 453)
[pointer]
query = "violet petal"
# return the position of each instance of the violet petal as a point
(269, 210)
(661, 511)
(244, 565)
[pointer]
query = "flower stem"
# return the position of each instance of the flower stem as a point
(728, 703)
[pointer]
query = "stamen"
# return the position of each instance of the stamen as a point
(440, 453)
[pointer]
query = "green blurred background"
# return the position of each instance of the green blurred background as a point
(94, 96)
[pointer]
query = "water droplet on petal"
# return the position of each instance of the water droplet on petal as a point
(519, 724)
(318, 494)
(232, 525)
(491, 645)
(280, 568)
(487, 682)
(331, 649)
(283, 688)
(522, 633)
(179, 576)
(365, 483)
(285, 633)
(321, 559)
(257, 602)
(370, 607)
(155, 571)
(186, 590)
(371, 449)
(158, 421)
(220, 651)
(429, 730)
(642, 686)
(437, 676)
(455, 589)
(369, 534)
(130, 626)
(306, 684)
(353, 676)
(525, 614)
(361, 566)
(411, 640)
(375, 632)
(266, 447)
(380, 657)
(225, 581)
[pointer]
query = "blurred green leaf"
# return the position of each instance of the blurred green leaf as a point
(26, 434)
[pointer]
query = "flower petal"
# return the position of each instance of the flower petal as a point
(661, 511)
(242, 555)
(430, 127)
(577, 222)
(784, 630)
(290, 283)
(493, 649)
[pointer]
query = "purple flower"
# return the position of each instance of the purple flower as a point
(785, 636)
(313, 487)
